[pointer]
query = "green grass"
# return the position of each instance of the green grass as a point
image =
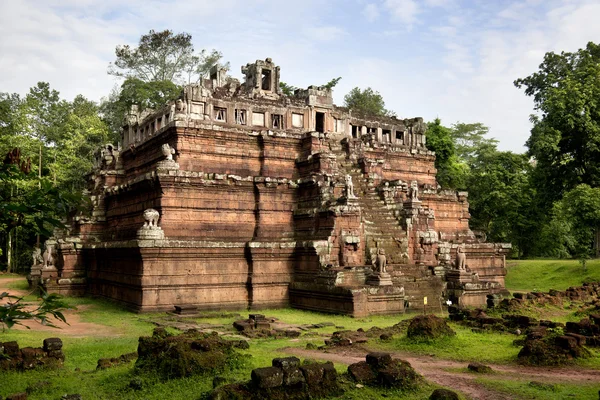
(543, 275)
(465, 346)
(523, 390)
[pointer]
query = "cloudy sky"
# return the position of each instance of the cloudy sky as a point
(452, 59)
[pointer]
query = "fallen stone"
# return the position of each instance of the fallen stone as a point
(362, 372)
(479, 368)
(443, 394)
(267, 377)
(379, 360)
(428, 327)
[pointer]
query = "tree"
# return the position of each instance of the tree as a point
(500, 198)
(163, 56)
(470, 140)
(83, 133)
(451, 170)
(565, 139)
(134, 91)
(332, 83)
(286, 89)
(367, 102)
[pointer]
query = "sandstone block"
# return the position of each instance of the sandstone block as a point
(267, 377)
(51, 344)
(361, 372)
(379, 360)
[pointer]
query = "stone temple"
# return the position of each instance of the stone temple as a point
(238, 196)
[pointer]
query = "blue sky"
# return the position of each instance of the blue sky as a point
(451, 59)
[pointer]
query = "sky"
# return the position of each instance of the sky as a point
(449, 59)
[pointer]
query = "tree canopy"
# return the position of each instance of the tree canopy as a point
(565, 139)
(164, 56)
(367, 101)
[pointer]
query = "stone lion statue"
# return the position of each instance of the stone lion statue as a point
(151, 216)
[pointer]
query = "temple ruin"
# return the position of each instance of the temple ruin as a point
(238, 196)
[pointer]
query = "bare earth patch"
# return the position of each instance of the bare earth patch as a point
(440, 371)
(75, 327)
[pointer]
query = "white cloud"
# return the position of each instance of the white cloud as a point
(371, 12)
(404, 11)
(325, 33)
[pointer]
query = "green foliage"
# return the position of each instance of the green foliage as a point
(14, 312)
(367, 102)
(134, 91)
(500, 198)
(471, 142)
(451, 170)
(28, 201)
(565, 139)
(56, 140)
(164, 56)
(286, 89)
(332, 83)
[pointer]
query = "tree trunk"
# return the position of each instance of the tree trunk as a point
(37, 241)
(9, 252)
(597, 242)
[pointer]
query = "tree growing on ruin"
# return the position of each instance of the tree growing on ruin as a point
(164, 56)
(368, 102)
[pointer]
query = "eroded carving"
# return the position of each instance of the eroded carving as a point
(461, 259)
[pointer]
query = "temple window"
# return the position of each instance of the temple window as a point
(320, 122)
(240, 117)
(400, 137)
(220, 114)
(266, 79)
(277, 121)
(386, 135)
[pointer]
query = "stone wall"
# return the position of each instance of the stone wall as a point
(237, 196)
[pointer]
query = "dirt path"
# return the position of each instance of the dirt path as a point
(439, 371)
(75, 327)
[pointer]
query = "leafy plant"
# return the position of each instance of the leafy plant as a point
(14, 312)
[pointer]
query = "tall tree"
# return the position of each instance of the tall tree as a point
(451, 170)
(367, 101)
(164, 56)
(500, 198)
(565, 139)
(470, 140)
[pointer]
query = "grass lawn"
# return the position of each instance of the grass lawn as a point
(523, 389)
(543, 275)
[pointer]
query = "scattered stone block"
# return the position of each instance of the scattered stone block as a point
(480, 368)
(267, 377)
(362, 372)
(443, 394)
(428, 327)
(379, 360)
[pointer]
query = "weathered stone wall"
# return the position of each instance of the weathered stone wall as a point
(256, 199)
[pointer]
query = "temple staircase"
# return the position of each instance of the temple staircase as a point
(383, 230)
